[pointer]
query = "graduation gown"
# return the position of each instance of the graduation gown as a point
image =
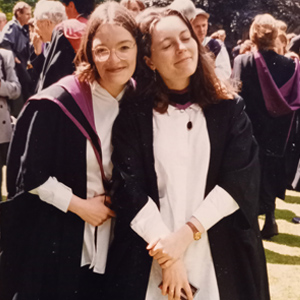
(40, 245)
(235, 241)
(271, 132)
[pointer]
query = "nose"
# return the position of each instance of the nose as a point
(113, 56)
(180, 47)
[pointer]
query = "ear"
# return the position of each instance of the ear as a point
(149, 63)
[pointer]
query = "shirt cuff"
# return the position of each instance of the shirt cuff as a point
(148, 223)
(55, 193)
(217, 205)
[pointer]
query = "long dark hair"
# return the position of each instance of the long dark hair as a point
(205, 88)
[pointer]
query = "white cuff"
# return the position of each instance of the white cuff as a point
(55, 193)
(217, 205)
(148, 223)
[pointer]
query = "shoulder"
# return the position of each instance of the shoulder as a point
(246, 59)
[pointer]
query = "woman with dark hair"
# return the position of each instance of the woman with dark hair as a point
(55, 226)
(187, 167)
(270, 85)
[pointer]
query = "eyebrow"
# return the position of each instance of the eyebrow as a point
(182, 32)
(125, 41)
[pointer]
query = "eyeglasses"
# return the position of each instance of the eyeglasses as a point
(102, 53)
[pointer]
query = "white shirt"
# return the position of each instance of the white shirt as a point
(106, 109)
(222, 62)
(181, 163)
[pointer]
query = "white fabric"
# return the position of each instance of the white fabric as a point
(181, 163)
(222, 62)
(105, 109)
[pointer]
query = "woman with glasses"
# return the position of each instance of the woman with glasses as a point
(187, 165)
(55, 227)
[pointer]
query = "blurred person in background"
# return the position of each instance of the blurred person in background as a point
(15, 37)
(10, 89)
(270, 88)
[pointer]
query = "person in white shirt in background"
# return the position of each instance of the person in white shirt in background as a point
(3, 20)
(200, 26)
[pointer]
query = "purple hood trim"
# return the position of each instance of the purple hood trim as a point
(278, 101)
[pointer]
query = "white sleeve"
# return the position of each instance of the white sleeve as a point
(148, 223)
(55, 193)
(223, 67)
(217, 205)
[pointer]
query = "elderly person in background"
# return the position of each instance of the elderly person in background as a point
(135, 6)
(15, 37)
(63, 37)
(10, 89)
(270, 86)
(3, 20)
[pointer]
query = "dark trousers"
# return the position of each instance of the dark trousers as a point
(3, 155)
(273, 182)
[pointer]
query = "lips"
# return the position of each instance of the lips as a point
(115, 70)
(182, 60)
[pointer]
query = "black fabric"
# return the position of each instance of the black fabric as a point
(59, 60)
(41, 246)
(235, 243)
(271, 133)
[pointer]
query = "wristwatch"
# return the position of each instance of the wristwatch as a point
(197, 233)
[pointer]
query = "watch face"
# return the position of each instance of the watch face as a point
(197, 236)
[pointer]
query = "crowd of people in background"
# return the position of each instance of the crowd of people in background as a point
(140, 151)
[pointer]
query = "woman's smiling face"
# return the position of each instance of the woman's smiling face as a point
(174, 52)
(116, 68)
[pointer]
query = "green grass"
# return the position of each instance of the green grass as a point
(292, 199)
(284, 214)
(276, 258)
(286, 239)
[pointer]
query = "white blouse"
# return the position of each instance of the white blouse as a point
(106, 109)
(181, 162)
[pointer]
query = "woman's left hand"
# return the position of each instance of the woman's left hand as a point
(167, 250)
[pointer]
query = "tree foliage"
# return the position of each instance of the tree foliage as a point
(235, 16)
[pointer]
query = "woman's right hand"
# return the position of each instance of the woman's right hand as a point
(175, 280)
(92, 210)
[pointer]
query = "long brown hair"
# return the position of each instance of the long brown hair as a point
(109, 12)
(205, 88)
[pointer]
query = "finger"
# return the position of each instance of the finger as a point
(111, 213)
(164, 289)
(108, 200)
(167, 264)
(152, 245)
(188, 292)
(171, 292)
(159, 255)
(162, 260)
(177, 293)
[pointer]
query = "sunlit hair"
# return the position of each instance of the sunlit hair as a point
(109, 12)
(281, 25)
(127, 3)
(205, 88)
(264, 31)
(19, 7)
(53, 11)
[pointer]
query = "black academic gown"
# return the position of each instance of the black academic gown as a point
(271, 132)
(235, 241)
(41, 245)
(59, 61)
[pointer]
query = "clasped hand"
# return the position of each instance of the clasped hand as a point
(169, 249)
(92, 210)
